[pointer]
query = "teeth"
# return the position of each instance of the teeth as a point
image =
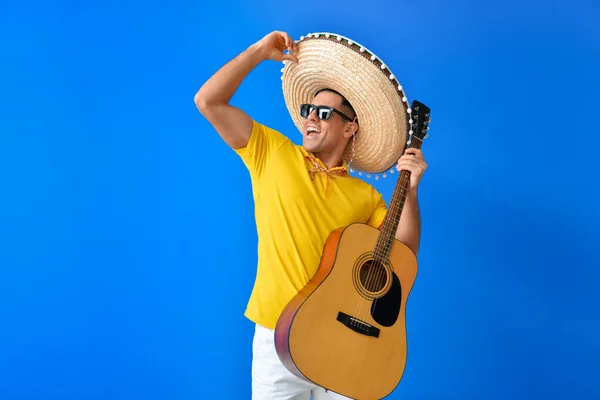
(312, 129)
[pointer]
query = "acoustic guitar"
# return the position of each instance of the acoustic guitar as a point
(346, 329)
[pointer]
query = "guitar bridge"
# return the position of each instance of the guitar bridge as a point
(358, 325)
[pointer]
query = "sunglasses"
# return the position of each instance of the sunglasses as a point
(322, 112)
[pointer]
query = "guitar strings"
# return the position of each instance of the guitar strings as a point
(382, 272)
(378, 273)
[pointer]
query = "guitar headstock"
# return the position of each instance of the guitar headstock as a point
(420, 117)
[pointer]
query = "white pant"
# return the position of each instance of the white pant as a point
(272, 381)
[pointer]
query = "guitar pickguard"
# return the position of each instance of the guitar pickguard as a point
(386, 309)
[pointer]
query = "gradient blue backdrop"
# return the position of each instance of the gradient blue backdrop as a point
(127, 241)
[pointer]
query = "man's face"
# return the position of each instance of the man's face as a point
(325, 136)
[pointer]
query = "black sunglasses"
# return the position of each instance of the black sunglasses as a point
(323, 112)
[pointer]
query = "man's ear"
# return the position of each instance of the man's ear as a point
(351, 129)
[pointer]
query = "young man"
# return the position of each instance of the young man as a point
(301, 194)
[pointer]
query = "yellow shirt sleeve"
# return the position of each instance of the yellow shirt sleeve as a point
(263, 143)
(377, 217)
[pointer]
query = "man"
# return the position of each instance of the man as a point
(301, 194)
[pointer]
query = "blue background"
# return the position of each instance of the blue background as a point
(127, 240)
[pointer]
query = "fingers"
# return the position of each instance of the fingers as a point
(412, 155)
(414, 151)
(289, 45)
(289, 42)
(289, 57)
(412, 163)
(293, 44)
(284, 42)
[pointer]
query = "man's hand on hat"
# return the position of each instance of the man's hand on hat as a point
(412, 161)
(274, 45)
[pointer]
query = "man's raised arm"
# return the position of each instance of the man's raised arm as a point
(212, 100)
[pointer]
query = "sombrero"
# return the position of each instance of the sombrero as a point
(327, 60)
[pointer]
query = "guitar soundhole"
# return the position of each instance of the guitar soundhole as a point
(373, 276)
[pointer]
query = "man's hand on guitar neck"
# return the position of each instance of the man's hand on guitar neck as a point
(409, 228)
(414, 162)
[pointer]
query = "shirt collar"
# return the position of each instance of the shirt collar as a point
(317, 166)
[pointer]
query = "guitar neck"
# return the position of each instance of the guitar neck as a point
(392, 218)
(385, 241)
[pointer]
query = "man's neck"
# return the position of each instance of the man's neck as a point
(331, 160)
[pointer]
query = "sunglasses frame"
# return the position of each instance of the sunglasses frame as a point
(309, 108)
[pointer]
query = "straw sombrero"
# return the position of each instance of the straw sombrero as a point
(327, 60)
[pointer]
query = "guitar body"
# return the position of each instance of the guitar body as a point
(346, 329)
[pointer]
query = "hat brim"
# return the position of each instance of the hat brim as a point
(332, 61)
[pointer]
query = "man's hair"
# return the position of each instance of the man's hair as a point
(345, 103)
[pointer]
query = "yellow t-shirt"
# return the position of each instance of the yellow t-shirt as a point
(294, 216)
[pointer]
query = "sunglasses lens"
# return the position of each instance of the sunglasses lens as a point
(305, 110)
(323, 113)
